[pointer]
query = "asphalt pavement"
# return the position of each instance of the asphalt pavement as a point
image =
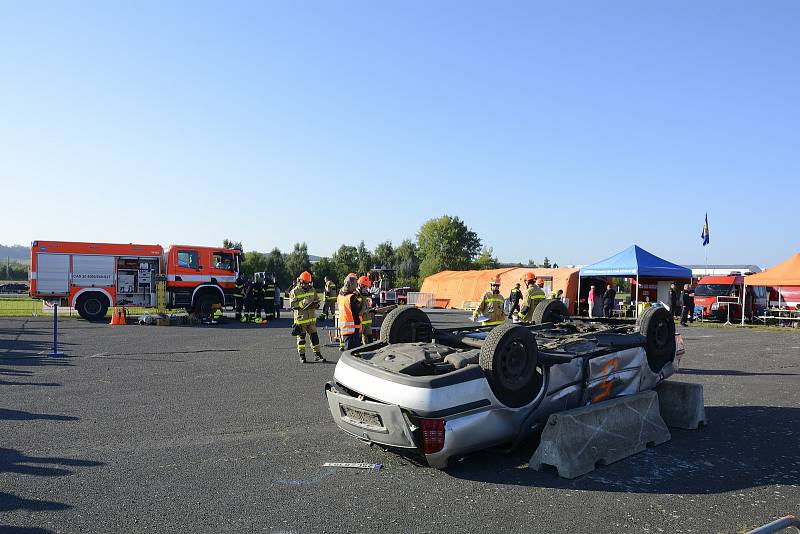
(221, 429)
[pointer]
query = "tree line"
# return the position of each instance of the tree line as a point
(443, 243)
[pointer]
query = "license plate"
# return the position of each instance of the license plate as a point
(362, 416)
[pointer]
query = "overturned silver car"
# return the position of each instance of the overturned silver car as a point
(442, 393)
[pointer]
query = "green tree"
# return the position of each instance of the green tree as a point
(297, 261)
(276, 264)
(324, 267)
(254, 262)
(531, 263)
(485, 260)
(227, 243)
(446, 243)
(364, 259)
(406, 258)
(546, 263)
(345, 260)
(383, 254)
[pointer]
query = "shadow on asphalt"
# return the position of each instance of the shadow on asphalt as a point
(19, 415)
(8, 529)
(727, 372)
(13, 461)
(742, 447)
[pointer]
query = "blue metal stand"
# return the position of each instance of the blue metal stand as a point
(55, 351)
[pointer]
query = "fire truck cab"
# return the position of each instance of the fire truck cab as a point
(715, 294)
(91, 277)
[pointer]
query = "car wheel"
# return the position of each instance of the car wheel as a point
(509, 358)
(406, 324)
(658, 327)
(92, 306)
(550, 311)
(203, 305)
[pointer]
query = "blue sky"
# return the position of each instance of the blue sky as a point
(565, 129)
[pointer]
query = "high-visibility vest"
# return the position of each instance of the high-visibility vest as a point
(347, 316)
(269, 292)
(238, 290)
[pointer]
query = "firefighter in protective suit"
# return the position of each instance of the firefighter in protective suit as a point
(348, 304)
(367, 316)
(269, 296)
(238, 295)
(258, 298)
(491, 305)
(533, 296)
(304, 302)
(328, 309)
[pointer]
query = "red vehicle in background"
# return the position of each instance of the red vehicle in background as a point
(91, 277)
(785, 297)
(715, 294)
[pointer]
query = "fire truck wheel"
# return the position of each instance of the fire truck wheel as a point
(204, 303)
(92, 306)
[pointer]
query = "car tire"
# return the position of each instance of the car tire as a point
(509, 358)
(550, 311)
(203, 304)
(406, 324)
(658, 327)
(92, 306)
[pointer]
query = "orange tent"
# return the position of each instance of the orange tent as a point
(783, 274)
(786, 274)
(461, 287)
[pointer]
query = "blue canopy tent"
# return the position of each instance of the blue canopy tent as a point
(635, 261)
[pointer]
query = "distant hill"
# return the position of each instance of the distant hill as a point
(15, 252)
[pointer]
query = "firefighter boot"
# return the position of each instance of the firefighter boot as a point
(301, 347)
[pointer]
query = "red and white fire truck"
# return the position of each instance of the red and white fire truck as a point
(91, 277)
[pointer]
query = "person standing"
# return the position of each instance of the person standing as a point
(238, 296)
(515, 297)
(348, 304)
(248, 301)
(269, 295)
(330, 299)
(673, 300)
(278, 302)
(258, 298)
(590, 300)
(533, 296)
(303, 299)
(365, 286)
(686, 304)
(491, 305)
(608, 300)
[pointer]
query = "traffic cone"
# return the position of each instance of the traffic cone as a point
(114, 318)
(123, 316)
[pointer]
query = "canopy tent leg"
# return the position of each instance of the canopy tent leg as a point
(637, 295)
(744, 299)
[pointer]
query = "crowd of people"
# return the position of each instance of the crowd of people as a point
(259, 299)
(355, 304)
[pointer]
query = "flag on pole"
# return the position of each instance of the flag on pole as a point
(704, 235)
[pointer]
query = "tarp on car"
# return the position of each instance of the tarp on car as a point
(636, 261)
(460, 288)
(783, 274)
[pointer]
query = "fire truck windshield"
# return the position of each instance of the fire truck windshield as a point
(713, 290)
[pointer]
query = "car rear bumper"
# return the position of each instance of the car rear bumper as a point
(377, 422)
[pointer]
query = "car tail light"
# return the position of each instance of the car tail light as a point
(432, 435)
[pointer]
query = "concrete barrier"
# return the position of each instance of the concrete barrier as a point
(681, 404)
(577, 440)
